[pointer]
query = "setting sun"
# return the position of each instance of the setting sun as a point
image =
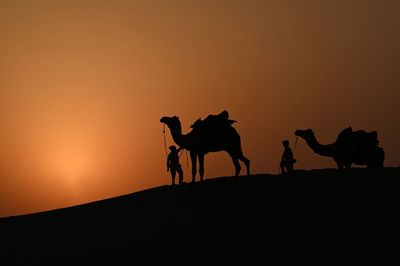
(71, 163)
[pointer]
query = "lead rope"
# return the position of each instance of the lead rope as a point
(295, 144)
(165, 142)
(165, 148)
(187, 160)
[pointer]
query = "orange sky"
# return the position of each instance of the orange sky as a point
(83, 85)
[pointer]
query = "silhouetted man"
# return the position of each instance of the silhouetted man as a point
(287, 160)
(174, 165)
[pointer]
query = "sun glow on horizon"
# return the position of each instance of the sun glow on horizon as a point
(68, 157)
(71, 164)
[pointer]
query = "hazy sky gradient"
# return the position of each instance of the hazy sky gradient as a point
(83, 85)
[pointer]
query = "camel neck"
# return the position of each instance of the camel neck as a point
(321, 149)
(177, 136)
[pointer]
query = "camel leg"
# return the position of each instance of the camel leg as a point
(201, 166)
(339, 165)
(381, 158)
(237, 165)
(246, 162)
(193, 158)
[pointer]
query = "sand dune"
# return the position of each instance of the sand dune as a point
(322, 217)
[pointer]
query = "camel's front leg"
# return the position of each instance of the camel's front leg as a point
(201, 166)
(193, 158)
(338, 163)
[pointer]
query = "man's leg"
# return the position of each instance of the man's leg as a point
(173, 173)
(282, 168)
(180, 172)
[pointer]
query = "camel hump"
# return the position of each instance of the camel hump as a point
(224, 115)
(347, 132)
(218, 120)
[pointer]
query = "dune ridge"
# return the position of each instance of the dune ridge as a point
(310, 216)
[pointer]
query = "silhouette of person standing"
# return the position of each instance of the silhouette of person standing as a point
(173, 164)
(287, 160)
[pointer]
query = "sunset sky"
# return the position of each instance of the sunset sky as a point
(83, 85)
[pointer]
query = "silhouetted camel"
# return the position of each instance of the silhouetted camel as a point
(213, 134)
(358, 147)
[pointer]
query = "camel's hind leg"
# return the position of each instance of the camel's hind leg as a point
(193, 158)
(201, 166)
(246, 162)
(237, 165)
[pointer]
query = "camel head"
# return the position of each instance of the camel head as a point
(172, 122)
(304, 133)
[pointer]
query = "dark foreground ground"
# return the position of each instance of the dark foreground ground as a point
(319, 217)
